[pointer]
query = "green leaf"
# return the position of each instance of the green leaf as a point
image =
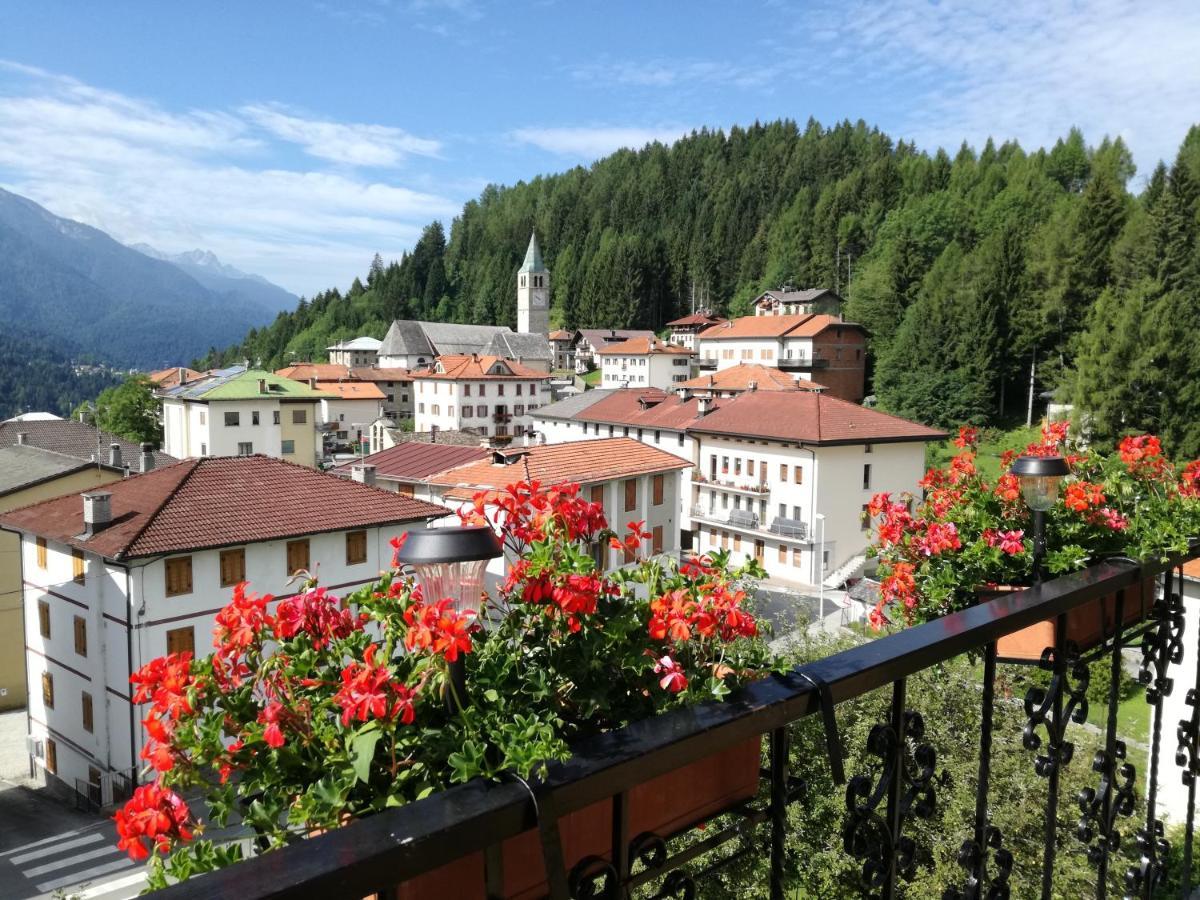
(362, 750)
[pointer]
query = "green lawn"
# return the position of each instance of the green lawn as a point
(1133, 717)
(992, 445)
(592, 379)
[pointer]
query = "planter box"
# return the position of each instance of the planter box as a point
(1087, 625)
(665, 805)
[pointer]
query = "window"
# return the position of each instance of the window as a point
(681, 439)
(287, 447)
(747, 354)
(867, 448)
(864, 517)
(232, 419)
(798, 475)
(356, 547)
(657, 540)
(466, 390)
(750, 468)
(179, 576)
(796, 557)
(630, 494)
(203, 449)
(533, 390)
(783, 510)
(724, 540)
(233, 567)
(657, 435)
(275, 417)
(48, 690)
(420, 407)
(783, 471)
(639, 434)
(299, 416)
(760, 549)
(867, 477)
(500, 390)
(737, 542)
(254, 417)
(598, 494)
(519, 388)
(77, 571)
(783, 554)
(181, 640)
(450, 410)
(518, 408)
(468, 412)
(481, 411)
(81, 635)
(737, 465)
(659, 481)
(202, 418)
(44, 618)
(626, 431)
(245, 448)
(724, 463)
(41, 553)
(51, 756)
(87, 711)
(297, 556)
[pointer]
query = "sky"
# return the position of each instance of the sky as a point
(297, 139)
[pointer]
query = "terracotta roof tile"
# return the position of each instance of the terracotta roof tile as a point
(417, 460)
(219, 501)
(374, 373)
(76, 439)
(641, 346)
(475, 368)
(773, 326)
(352, 390)
(739, 377)
(696, 319)
(643, 409)
(321, 371)
(170, 377)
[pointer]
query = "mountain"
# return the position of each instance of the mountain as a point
(206, 268)
(69, 282)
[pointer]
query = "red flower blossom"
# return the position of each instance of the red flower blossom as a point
(438, 627)
(939, 537)
(397, 542)
(899, 586)
(1083, 495)
(241, 622)
(271, 715)
(673, 679)
(151, 820)
(317, 614)
(670, 616)
(369, 691)
(967, 437)
(165, 682)
(1008, 488)
(1189, 479)
(1143, 456)
(1010, 542)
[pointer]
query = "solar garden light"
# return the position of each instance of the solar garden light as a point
(450, 562)
(1039, 477)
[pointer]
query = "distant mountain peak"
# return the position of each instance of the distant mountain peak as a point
(203, 259)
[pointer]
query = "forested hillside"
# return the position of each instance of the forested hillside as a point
(39, 375)
(966, 270)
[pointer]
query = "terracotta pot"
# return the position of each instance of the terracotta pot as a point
(1087, 625)
(665, 805)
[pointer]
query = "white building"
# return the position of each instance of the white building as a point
(788, 301)
(349, 408)
(644, 362)
(487, 394)
(684, 331)
(361, 351)
(120, 575)
(590, 341)
(533, 292)
(237, 412)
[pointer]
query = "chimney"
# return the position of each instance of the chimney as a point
(312, 382)
(22, 437)
(364, 474)
(97, 512)
(752, 386)
(147, 457)
(114, 455)
(703, 406)
(182, 377)
(262, 385)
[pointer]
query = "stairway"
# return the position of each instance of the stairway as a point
(851, 568)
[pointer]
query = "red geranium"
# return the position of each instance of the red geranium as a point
(369, 690)
(151, 820)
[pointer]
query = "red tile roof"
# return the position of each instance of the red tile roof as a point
(1191, 569)
(810, 417)
(739, 377)
(374, 373)
(321, 371)
(696, 319)
(417, 460)
(560, 335)
(641, 346)
(644, 409)
(219, 501)
(475, 368)
(808, 325)
(586, 462)
(352, 390)
(170, 377)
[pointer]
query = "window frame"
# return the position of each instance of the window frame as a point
(232, 418)
(177, 570)
(80, 628)
(87, 712)
(630, 488)
(356, 540)
(296, 545)
(176, 636)
(232, 553)
(44, 627)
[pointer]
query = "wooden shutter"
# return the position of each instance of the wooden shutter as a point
(81, 635)
(181, 640)
(737, 542)
(356, 547)
(631, 495)
(87, 712)
(799, 475)
(51, 756)
(658, 489)
(760, 548)
(48, 690)
(77, 566)
(44, 618)
(41, 553)
(657, 531)
(783, 554)
(783, 471)
(233, 567)
(179, 575)
(597, 494)
(297, 556)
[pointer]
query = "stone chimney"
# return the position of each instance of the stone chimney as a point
(364, 474)
(312, 382)
(22, 437)
(703, 406)
(262, 385)
(182, 377)
(147, 457)
(114, 455)
(97, 512)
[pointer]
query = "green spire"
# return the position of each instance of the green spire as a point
(533, 257)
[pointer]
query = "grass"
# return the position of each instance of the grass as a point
(1133, 717)
(992, 444)
(592, 379)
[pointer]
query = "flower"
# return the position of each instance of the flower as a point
(151, 820)
(1142, 455)
(438, 627)
(165, 682)
(1009, 542)
(270, 716)
(317, 614)
(967, 437)
(1083, 495)
(673, 679)
(240, 624)
(397, 543)
(1189, 479)
(369, 691)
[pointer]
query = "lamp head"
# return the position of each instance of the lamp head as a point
(1039, 477)
(450, 562)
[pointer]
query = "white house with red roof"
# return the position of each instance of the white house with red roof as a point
(644, 362)
(787, 301)
(116, 576)
(685, 329)
(490, 395)
(349, 408)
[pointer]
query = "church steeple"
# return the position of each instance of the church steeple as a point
(533, 292)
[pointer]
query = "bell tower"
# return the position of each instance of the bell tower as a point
(533, 292)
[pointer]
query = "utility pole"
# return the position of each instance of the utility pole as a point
(837, 269)
(1029, 412)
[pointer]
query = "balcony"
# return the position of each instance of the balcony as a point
(727, 483)
(706, 362)
(466, 826)
(806, 361)
(790, 528)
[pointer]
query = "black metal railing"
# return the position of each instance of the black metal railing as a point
(380, 852)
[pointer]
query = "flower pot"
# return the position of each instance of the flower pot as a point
(1087, 625)
(665, 805)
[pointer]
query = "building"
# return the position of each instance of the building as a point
(632, 481)
(29, 475)
(412, 344)
(486, 394)
(118, 576)
(589, 341)
(406, 468)
(82, 441)
(361, 351)
(684, 331)
(746, 377)
(813, 345)
(562, 343)
(349, 408)
(167, 378)
(787, 301)
(396, 386)
(308, 371)
(239, 412)
(533, 292)
(644, 362)
(531, 350)
(35, 417)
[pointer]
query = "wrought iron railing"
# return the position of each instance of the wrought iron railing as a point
(469, 822)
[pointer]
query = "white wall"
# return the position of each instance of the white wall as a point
(449, 398)
(656, 370)
(1172, 793)
(350, 416)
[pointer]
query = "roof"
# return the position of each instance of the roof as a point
(516, 345)
(571, 406)
(352, 390)
(807, 295)
(164, 378)
(22, 466)
(476, 368)
(602, 337)
(321, 371)
(35, 417)
(586, 462)
(561, 335)
(533, 256)
(358, 343)
(219, 501)
(810, 417)
(696, 318)
(643, 408)
(1191, 569)
(454, 338)
(643, 346)
(417, 460)
(807, 325)
(244, 384)
(73, 438)
(374, 373)
(741, 376)
(405, 337)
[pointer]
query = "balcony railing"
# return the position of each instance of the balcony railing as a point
(793, 528)
(725, 482)
(745, 520)
(466, 824)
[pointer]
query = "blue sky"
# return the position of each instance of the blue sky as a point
(297, 139)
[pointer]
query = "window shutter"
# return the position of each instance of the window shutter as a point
(297, 556)
(41, 553)
(179, 575)
(356, 547)
(233, 567)
(48, 690)
(87, 712)
(659, 481)
(658, 538)
(77, 566)
(81, 635)
(630, 495)
(181, 640)
(51, 756)
(44, 618)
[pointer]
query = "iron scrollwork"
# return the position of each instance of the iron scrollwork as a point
(1115, 797)
(651, 851)
(1187, 756)
(1150, 871)
(1162, 645)
(593, 878)
(1068, 683)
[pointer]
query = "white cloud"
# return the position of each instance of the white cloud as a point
(670, 73)
(593, 142)
(205, 179)
(340, 142)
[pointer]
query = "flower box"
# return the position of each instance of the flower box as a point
(665, 805)
(1087, 625)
